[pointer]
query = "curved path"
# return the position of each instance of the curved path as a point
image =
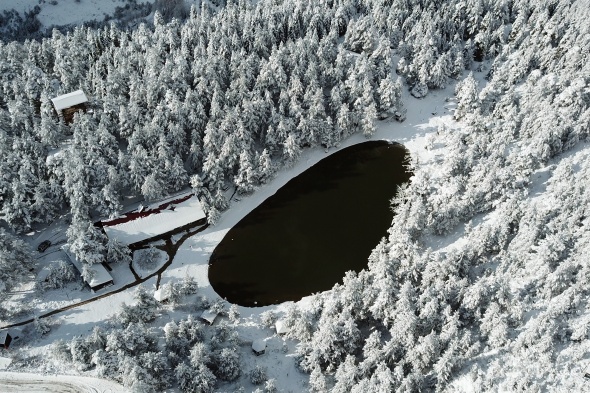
(170, 248)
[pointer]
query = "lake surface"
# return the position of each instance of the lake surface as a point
(318, 226)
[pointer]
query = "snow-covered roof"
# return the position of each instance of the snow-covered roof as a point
(43, 273)
(161, 217)
(281, 327)
(209, 316)
(259, 346)
(68, 100)
(100, 275)
(54, 153)
(161, 294)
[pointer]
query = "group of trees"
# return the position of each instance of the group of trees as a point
(220, 99)
(513, 292)
(193, 357)
(16, 261)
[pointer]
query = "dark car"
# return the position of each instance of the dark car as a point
(44, 245)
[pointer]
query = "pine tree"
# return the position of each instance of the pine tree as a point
(368, 121)
(153, 187)
(15, 261)
(466, 92)
(247, 176)
(291, 150)
(86, 241)
(317, 381)
(265, 166)
(193, 380)
(346, 375)
(389, 95)
(156, 366)
(226, 364)
(80, 352)
(107, 364)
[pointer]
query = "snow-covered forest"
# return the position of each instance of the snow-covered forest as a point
(482, 279)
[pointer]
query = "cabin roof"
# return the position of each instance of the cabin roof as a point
(163, 293)
(43, 273)
(100, 277)
(209, 316)
(67, 100)
(4, 362)
(281, 327)
(259, 346)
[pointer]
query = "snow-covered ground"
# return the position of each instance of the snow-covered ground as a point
(38, 303)
(4, 362)
(11, 382)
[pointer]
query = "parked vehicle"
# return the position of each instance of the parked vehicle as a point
(44, 245)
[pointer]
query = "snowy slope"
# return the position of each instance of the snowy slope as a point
(66, 11)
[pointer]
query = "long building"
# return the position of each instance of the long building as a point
(147, 223)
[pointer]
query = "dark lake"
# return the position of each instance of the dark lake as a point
(318, 226)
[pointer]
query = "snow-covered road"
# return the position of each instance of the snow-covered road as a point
(35, 383)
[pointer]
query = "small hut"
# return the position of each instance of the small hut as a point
(68, 104)
(259, 347)
(162, 294)
(5, 339)
(281, 327)
(209, 316)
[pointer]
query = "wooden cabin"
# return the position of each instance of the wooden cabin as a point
(209, 316)
(155, 221)
(281, 327)
(68, 104)
(162, 294)
(259, 347)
